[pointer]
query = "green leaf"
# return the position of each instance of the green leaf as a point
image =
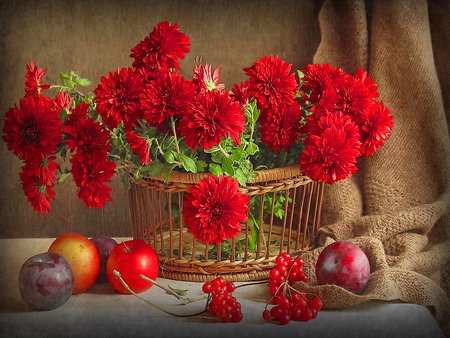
(179, 292)
(252, 148)
(201, 165)
(238, 154)
(188, 163)
(82, 82)
(166, 170)
(169, 156)
(240, 176)
(215, 169)
(63, 177)
(212, 150)
(125, 179)
(227, 166)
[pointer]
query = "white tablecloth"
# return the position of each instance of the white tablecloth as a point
(101, 312)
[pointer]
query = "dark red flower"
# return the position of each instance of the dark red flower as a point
(90, 175)
(33, 130)
(205, 79)
(80, 112)
(63, 101)
(376, 127)
(162, 48)
(240, 92)
(212, 116)
(331, 148)
(319, 77)
(355, 99)
(214, 209)
(281, 126)
(170, 95)
(271, 82)
(140, 146)
(33, 80)
(84, 134)
(38, 181)
(118, 98)
(361, 75)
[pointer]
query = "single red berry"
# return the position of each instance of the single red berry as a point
(316, 303)
(237, 316)
(218, 282)
(276, 311)
(284, 319)
(299, 300)
(284, 302)
(306, 315)
(295, 312)
(230, 287)
(207, 287)
(266, 315)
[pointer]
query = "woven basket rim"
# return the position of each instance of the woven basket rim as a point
(265, 175)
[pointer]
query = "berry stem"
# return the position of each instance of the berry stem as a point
(119, 277)
(171, 292)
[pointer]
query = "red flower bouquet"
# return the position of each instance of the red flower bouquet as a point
(149, 120)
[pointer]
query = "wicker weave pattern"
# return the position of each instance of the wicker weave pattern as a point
(155, 209)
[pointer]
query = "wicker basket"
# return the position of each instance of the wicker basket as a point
(155, 218)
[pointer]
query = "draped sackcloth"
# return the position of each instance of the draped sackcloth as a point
(397, 206)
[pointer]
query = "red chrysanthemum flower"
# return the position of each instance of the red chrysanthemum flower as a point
(33, 130)
(140, 146)
(355, 99)
(205, 79)
(170, 95)
(33, 80)
(63, 101)
(240, 92)
(214, 209)
(319, 77)
(376, 127)
(212, 116)
(118, 98)
(84, 134)
(361, 75)
(38, 181)
(281, 126)
(162, 48)
(271, 82)
(331, 148)
(90, 175)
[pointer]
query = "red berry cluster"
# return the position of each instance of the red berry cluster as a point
(291, 304)
(221, 302)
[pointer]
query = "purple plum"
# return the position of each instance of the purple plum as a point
(46, 281)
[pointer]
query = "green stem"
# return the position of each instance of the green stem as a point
(119, 277)
(171, 292)
(177, 146)
(223, 151)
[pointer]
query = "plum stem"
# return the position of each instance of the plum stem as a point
(119, 277)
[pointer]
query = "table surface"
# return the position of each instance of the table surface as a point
(102, 312)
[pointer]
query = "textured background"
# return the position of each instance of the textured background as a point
(95, 37)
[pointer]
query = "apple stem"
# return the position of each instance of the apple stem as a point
(119, 277)
(126, 247)
(171, 292)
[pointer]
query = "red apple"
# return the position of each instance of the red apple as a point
(344, 264)
(83, 257)
(45, 281)
(131, 259)
(104, 244)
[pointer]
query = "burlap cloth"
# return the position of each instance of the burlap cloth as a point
(397, 207)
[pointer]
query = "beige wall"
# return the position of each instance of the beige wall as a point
(95, 37)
